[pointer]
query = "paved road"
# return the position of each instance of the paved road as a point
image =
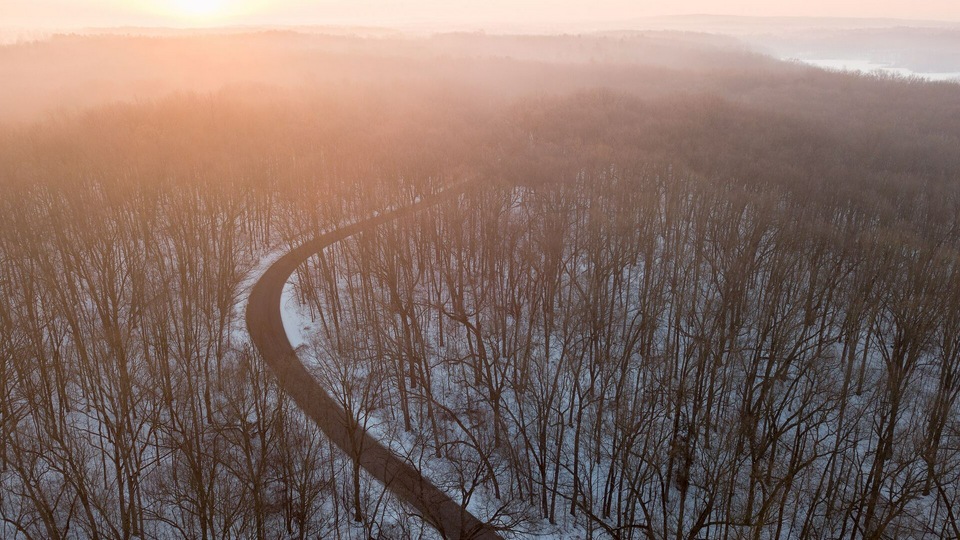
(268, 335)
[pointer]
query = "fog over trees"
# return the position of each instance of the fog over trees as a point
(680, 291)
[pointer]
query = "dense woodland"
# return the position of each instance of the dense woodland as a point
(700, 302)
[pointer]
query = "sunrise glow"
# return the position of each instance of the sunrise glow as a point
(200, 9)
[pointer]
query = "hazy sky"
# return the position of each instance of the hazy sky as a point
(72, 13)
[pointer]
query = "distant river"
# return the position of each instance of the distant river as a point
(866, 66)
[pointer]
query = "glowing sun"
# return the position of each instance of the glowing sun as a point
(201, 8)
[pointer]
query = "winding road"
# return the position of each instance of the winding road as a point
(266, 330)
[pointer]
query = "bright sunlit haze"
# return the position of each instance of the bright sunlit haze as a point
(491, 13)
(204, 8)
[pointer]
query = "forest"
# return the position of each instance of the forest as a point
(709, 295)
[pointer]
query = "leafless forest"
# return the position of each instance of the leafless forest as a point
(689, 292)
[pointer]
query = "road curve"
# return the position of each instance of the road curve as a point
(266, 330)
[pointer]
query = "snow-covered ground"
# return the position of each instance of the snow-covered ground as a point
(304, 333)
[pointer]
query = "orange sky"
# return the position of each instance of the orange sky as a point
(480, 13)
